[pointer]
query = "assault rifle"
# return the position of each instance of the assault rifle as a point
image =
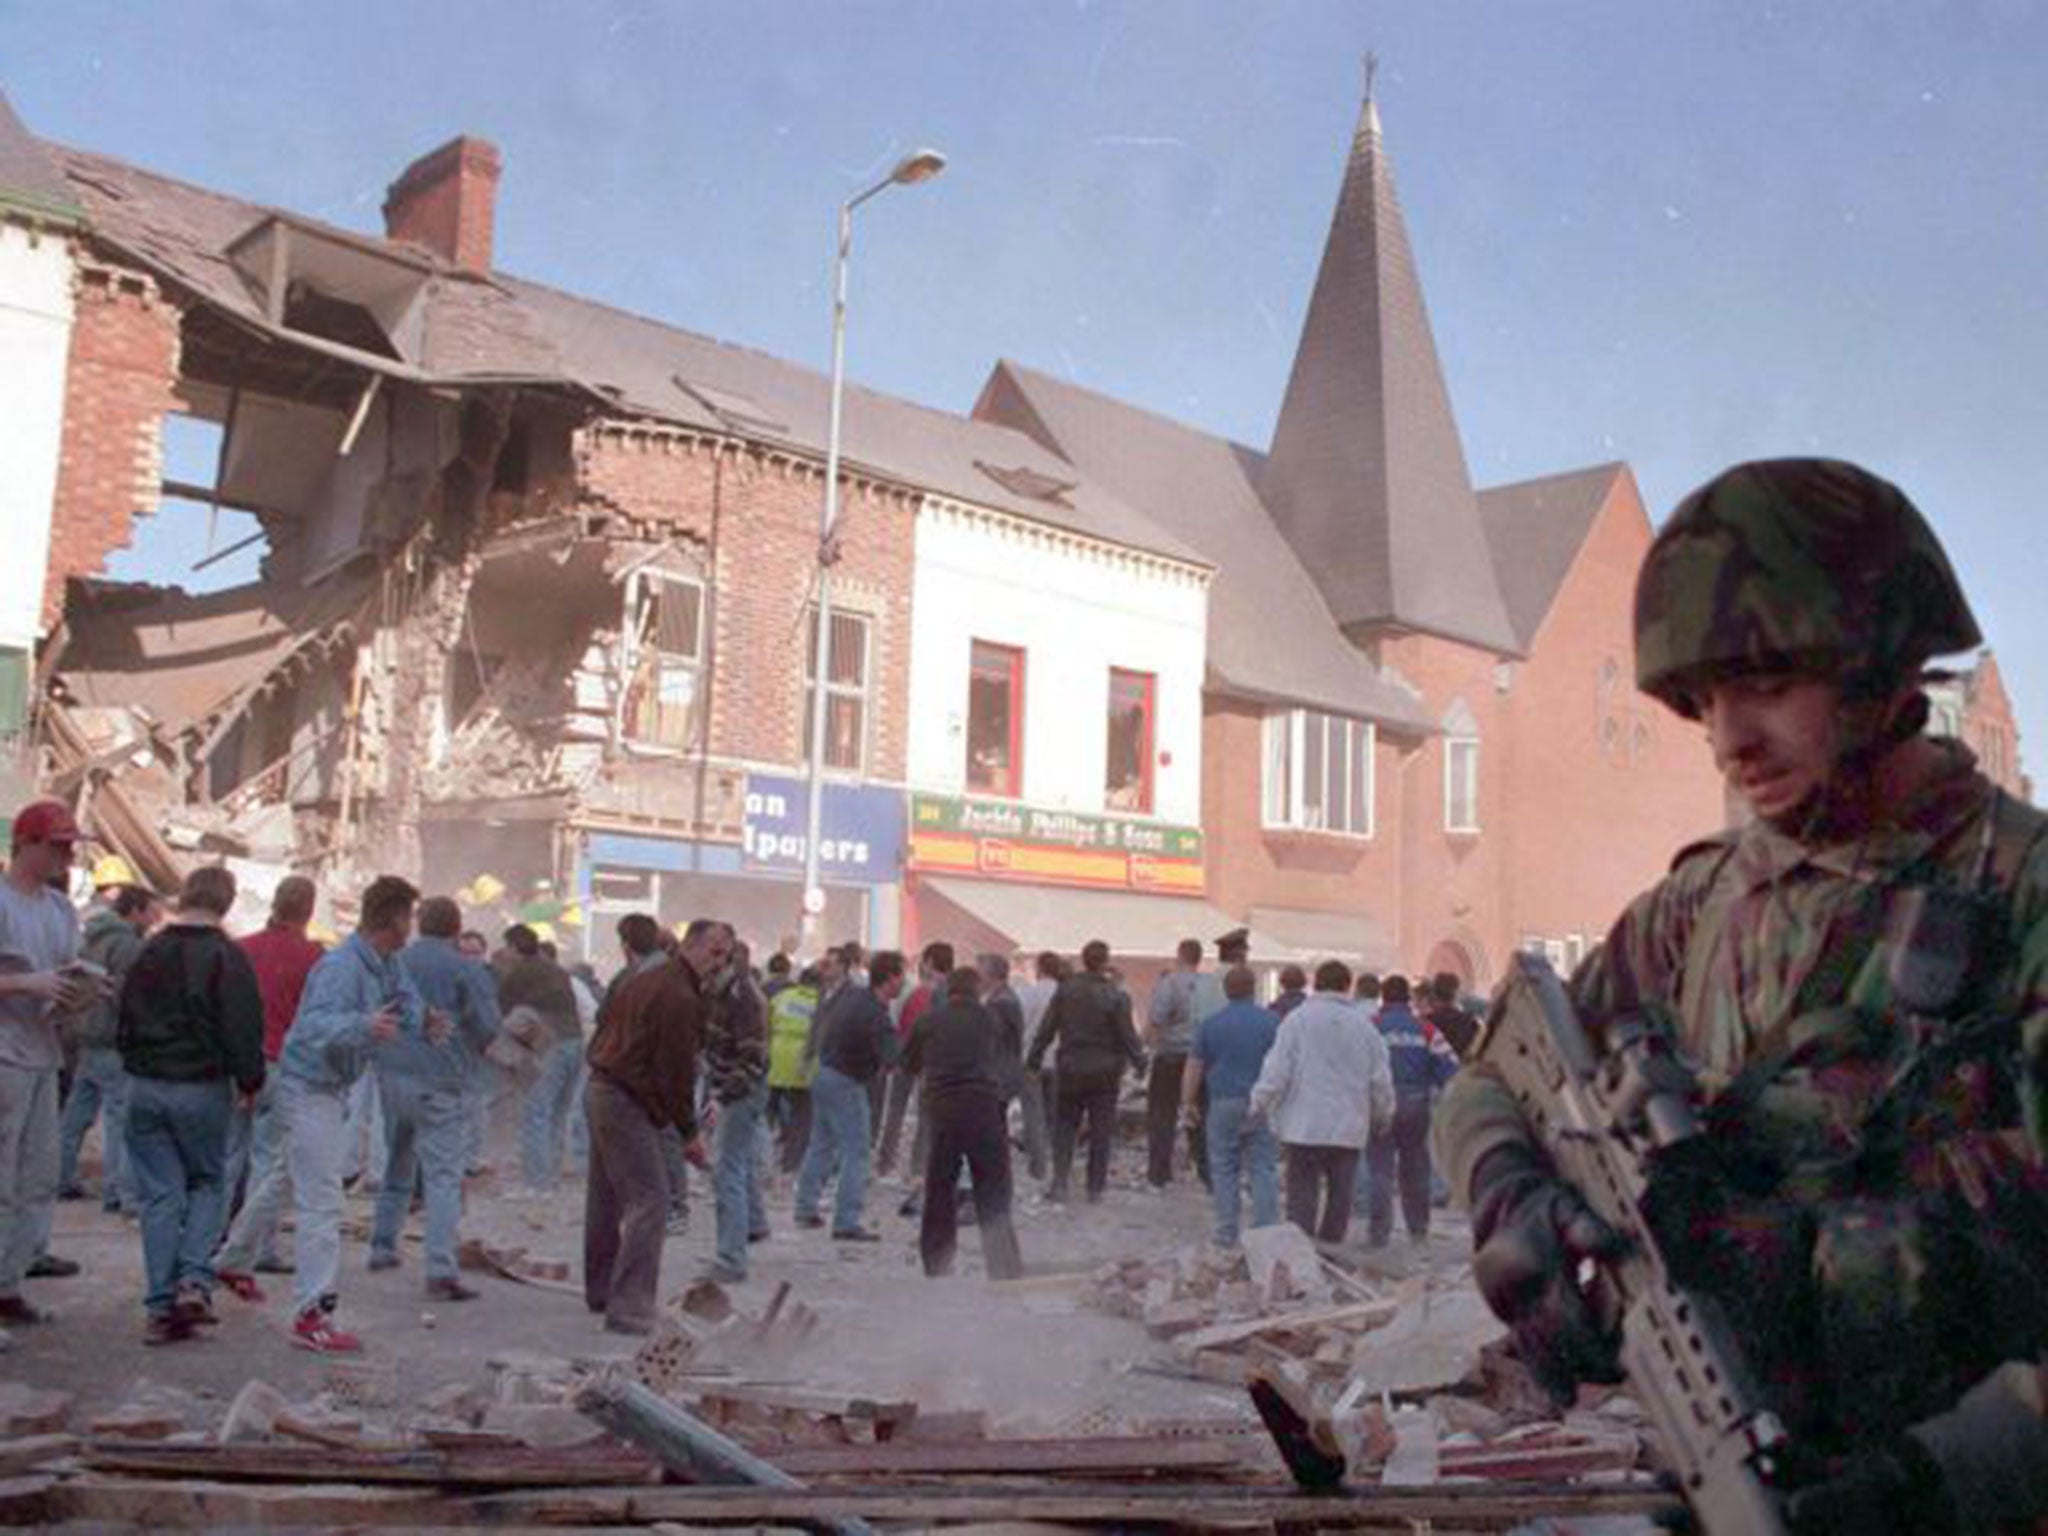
(1599, 1117)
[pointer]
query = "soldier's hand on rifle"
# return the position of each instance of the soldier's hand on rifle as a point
(1532, 1235)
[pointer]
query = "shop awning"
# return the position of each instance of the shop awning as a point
(1034, 917)
(1306, 937)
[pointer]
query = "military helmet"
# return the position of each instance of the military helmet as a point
(1809, 565)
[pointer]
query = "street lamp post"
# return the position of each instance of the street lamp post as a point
(921, 165)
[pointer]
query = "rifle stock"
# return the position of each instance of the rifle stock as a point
(1598, 1117)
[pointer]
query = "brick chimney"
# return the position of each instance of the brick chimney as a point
(447, 200)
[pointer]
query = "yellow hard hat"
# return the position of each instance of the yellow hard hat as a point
(572, 915)
(486, 889)
(545, 932)
(112, 869)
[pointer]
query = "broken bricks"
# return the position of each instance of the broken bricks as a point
(26, 1410)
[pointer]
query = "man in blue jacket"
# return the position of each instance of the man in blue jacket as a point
(423, 1074)
(1422, 1061)
(358, 997)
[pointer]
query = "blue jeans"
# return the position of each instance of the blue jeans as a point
(253, 1237)
(100, 1083)
(547, 1113)
(839, 1132)
(478, 1095)
(1238, 1150)
(316, 1153)
(423, 1132)
(365, 1134)
(736, 1172)
(177, 1147)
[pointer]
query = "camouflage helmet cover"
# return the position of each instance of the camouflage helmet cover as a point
(1810, 565)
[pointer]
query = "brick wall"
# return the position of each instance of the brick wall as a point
(1252, 866)
(1605, 783)
(1586, 787)
(124, 358)
(1454, 885)
(756, 514)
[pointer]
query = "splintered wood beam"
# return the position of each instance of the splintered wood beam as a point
(160, 1505)
(362, 413)
(185, 490)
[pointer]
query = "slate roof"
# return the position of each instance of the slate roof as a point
(736, 388)
(1535, 529)
(1271, 635)
(28, 181)
(1366, 476)
(505, 328)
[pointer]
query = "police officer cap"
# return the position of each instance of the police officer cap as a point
(1237, 938)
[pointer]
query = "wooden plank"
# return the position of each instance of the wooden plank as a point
(1132, 1455)
(1512, 1463)
(478, 1465)
(188, 1505)
(1372, 1313)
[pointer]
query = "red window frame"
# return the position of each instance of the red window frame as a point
(1141, 688)
(988, 662)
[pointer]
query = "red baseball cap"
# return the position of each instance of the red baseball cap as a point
(45, 821)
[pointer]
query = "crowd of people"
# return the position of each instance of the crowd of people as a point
(239, 1079)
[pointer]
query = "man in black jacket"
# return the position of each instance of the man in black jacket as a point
(954, 1048)
(1090, 1017)
(191, 1034)
(855, 1041)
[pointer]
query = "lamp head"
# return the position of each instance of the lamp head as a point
(918, 165)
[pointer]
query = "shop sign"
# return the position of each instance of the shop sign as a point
(999, 840)
(863, 841)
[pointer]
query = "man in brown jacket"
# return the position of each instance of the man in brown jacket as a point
(643, 1079)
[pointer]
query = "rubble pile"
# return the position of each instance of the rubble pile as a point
(1406, 1380)
(719, 1417)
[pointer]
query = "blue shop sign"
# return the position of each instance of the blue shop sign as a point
(864, 829)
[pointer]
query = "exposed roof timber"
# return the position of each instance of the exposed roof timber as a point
(352, 356)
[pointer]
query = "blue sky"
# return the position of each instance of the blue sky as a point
(1675, 234)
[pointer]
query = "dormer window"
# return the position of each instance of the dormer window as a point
(333, 287)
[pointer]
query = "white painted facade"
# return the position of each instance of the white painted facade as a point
(1076, 607)
(35, 345)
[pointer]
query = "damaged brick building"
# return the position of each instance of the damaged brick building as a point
(537, 574)
(536, 603)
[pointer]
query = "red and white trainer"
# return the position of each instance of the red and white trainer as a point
(314, 1329)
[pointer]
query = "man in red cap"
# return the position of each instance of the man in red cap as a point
(38, 983)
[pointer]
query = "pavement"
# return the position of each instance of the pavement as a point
(1029, 1357)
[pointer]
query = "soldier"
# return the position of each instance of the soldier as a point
(1859, 978)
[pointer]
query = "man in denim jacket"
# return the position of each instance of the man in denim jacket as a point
(357, 998)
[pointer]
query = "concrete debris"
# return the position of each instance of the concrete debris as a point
(25, 1410)
(260, 1411)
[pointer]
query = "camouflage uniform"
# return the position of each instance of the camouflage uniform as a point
(1878, 1231)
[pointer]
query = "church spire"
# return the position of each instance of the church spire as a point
(1366, 476)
